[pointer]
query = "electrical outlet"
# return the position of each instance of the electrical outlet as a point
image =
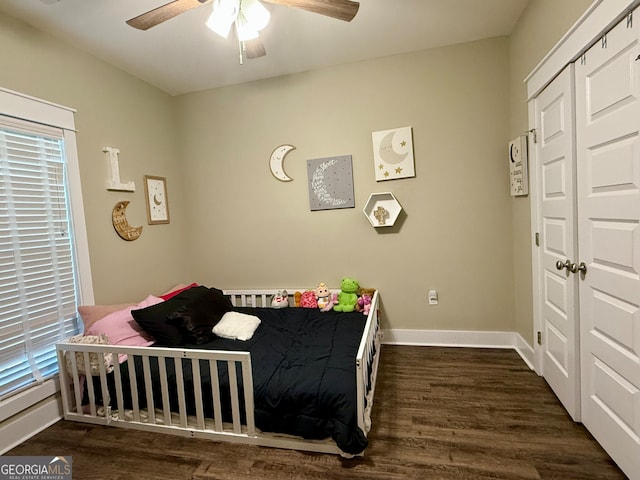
(433, 297)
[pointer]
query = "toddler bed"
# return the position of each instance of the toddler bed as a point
(303, 379)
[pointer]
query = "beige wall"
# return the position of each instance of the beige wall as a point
(247, 229)
(117, 110)
(540, 27)
(234, 225)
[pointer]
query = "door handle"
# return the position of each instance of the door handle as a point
(574, 268)
(567, 264)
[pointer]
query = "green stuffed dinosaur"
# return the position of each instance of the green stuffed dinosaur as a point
(348, 296)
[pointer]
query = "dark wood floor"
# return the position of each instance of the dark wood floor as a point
(439, 413)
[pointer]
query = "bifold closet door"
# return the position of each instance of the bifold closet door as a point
(558, 300)
(608, 166)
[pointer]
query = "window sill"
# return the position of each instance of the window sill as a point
(23, 400)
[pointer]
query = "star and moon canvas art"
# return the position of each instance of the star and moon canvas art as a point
(393, 154)
(330, 183)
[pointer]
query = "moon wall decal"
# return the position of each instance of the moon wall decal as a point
(387, 153)
(276, 162)
(121, 224)
(513, 152)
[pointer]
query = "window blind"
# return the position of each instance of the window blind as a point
(38, 288)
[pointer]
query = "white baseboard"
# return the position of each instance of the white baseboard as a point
(525, 351)
(461, 338)
(27, 423)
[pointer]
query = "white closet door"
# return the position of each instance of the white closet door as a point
(608, 154)
(556, 164)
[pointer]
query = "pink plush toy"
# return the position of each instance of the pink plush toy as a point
(308, 299)
(329, 306)
(364, 304)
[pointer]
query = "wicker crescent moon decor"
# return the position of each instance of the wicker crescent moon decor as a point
(121, 224)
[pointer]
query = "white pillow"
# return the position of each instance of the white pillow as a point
(236, 326)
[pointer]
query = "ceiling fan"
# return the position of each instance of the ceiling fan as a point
(249, 16)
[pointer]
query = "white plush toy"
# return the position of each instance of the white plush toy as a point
(280, 299)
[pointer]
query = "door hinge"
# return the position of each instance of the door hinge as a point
(539, 338)
(537, 239)
(533, 135)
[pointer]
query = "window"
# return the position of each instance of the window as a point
(44, 270)
(37, 279)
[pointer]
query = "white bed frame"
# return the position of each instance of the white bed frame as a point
(179, 423)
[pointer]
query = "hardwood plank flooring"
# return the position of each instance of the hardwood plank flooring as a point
(439, 413)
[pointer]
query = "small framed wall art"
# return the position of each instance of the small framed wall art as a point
(393, 154)
(518, 169)
(330, 183)
(155, 190)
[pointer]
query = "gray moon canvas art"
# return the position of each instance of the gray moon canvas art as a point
(330, 183)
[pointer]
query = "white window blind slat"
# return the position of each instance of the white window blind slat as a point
(38, 282)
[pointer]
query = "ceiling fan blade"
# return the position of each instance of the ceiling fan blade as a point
(340, 9)
(163, 13)
(254, 48)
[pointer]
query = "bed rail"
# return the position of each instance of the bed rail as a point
(262, 297)
(72, 383)
(367, 360)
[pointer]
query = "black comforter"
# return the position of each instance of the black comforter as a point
(303, 364)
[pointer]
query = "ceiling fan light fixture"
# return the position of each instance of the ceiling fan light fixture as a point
(255, 14)
(245, 30)
(225, 13)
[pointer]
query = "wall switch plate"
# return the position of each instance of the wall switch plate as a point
(433, 297)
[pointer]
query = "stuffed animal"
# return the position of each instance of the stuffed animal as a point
(348, 297)
(280, 299)
(297, 296)
(308, 299)
(364, 299)
(323, 297)
(367, 291)
(364, 304)
(332, 303)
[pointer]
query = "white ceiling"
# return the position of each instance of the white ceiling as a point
(182, 55)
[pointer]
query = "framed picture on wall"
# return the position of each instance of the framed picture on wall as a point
(155, 189)
(330, 183)
(393, 154)
(518, 170)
